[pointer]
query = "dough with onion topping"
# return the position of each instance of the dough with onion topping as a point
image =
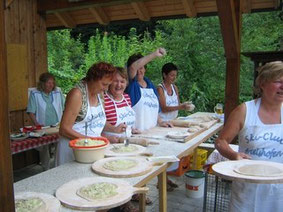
(33, 204)
(124, 149)
(90, 142)
(120, 164)
(97, 191)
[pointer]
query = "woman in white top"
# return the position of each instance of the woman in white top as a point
(84, 108)
(259, 124)
(168, 94)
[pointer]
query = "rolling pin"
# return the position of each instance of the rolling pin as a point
(139, 141)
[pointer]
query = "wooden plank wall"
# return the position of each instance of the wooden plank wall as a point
(6, 175)
(24, 26)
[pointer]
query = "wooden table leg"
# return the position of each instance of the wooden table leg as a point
(142, 198)
(162, 184)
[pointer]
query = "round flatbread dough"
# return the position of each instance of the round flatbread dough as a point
(31, 204)
(120, 164)
(96, 191)
(259, 170)
(124, 149)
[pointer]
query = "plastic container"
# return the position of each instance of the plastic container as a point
(201, 158)
(89, 154)
(194, 180)
(184, 166)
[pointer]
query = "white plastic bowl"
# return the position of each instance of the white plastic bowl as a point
(89, 154)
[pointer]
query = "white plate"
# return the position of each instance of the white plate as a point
(229, 170)
(176, 134)
(18, 136)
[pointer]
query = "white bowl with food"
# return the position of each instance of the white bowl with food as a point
(89, 150)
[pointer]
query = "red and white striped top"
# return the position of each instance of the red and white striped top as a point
(111, 115)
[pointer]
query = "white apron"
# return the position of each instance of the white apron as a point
(261, 142)
(146, 110)
(124, 115)
(95, 119)
(171, 101)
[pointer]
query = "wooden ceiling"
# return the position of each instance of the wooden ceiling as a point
(71, 13)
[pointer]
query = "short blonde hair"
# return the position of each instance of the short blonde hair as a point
(267, 73)
(122, 72)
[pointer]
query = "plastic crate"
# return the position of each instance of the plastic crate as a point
(184, 166)
(217, 194)
(201, 158)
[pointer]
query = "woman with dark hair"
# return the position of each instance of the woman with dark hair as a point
(142, 92)
(259, 126)
(45, 108)
(169, 95)
(84, 108)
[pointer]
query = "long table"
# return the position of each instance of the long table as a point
(32, 143)
(50, 180)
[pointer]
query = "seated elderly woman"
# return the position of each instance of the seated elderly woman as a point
(119, 113)
(259, 124)
(84, 109)
(45, 108)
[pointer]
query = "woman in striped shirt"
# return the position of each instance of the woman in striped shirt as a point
(118, 108)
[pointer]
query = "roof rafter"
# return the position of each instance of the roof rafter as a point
(189, 8)
(65, 5)
(99, 15)
(141, 11)
(66, 19)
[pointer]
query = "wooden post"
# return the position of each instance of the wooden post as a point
(230, 17)
(6, 174)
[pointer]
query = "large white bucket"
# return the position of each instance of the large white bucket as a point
(194, 180)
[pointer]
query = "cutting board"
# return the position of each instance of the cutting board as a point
(52, 204)
(68, 197)
(51, 130)
(160, 133)
(143, 166)
(228, 170)
(205, 121)
(110, 151)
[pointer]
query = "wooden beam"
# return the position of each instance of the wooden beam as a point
(99, 15)
(247, 6)
(276, 3)
(51, 6)
(189, 8)
(6, 175)
(141, 11)
(229, 12)
(228, 23)
(8, 3)
(66, 19)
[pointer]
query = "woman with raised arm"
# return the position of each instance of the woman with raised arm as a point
(143, 93)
